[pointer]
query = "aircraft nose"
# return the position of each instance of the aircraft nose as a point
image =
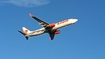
(75, 20)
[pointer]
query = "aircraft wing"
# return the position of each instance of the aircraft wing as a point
(44, 24)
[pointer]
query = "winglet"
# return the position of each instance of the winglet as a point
(31, 15)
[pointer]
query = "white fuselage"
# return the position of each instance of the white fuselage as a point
(57, 26)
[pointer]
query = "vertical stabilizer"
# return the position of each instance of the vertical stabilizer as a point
(25, 30)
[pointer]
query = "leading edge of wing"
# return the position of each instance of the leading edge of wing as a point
(43, 23)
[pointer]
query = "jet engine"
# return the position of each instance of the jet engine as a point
(57, 32)
(51, 25)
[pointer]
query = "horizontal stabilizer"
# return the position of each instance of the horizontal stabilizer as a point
(23, 34)
(27, 37)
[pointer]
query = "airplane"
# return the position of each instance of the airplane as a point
(51, 29)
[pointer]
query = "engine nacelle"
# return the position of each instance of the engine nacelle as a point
(57, 32)
(51, 25)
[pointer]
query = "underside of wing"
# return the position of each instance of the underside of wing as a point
(44, 24)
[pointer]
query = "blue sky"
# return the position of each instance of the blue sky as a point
(83, 40)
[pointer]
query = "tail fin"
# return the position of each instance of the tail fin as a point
(25, 30)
